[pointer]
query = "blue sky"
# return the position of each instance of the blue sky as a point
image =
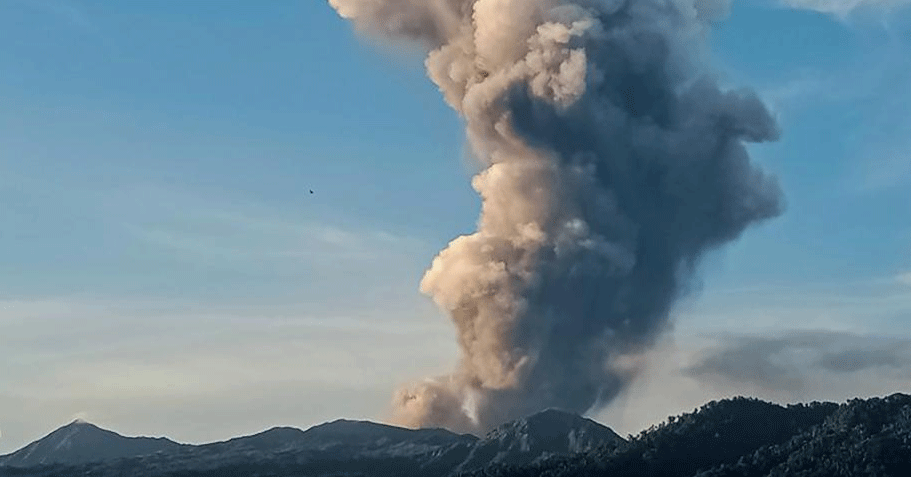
(164, 269)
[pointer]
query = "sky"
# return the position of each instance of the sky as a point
(164, 269)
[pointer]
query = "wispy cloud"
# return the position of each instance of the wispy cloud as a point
(281, 312)
(784, 343)
(904, 278)
(67, 11)
(231, 231)
(844, 8)
(135, 364)
(785, 367)
(853, 306)
(789, 360)
(873, 86)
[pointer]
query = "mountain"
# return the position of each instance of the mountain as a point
(750, 438)
(81, 443)
(368, 437)
(328, 445)
(864, 437)
(340, 447)
(539, 436)
(738, 437)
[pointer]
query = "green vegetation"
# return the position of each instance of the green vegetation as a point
(750, 438)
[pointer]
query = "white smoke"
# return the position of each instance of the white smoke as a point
(611, 165)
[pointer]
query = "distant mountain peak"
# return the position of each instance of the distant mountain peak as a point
(539, 435)
(553, 411)
(81, 424)
(552, 422)
(82, 442)
(556, 417)
(345, 430)
(722, 437)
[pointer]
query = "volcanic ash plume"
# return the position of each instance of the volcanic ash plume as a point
(611, 164)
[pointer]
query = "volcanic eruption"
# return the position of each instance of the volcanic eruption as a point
(612, 161)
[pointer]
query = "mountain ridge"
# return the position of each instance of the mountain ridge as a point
(538, 436)
(738, 437)
(437, 451)
(81, 442)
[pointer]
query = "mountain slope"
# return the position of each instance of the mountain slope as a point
(80, 443)
(340, 447)
(541, 435)
(861, 438)
(370, 437)
(732, 438)
(337, 441)
(749, 438)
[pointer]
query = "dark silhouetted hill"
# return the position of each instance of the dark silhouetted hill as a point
(749, 438)
(81, 443)
(732, 438)
(539, 436)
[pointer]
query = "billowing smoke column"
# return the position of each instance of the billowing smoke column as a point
(611, 164)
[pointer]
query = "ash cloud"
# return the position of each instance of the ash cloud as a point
(611, 164)
(854, 360)
(752, 360)
(789, 361)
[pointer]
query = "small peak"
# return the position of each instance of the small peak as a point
(550, 422)
(554, 412)
(553, 416)
(81, 425)
(342, 421)
(281, 431)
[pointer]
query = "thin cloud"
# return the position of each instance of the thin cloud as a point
(844, 8)
(163, 358)
(296, 242)
(797, 368)
(741, 341)
(853, 360)
(755, 361)
(838, 306)
(791, 359)
(255, 232)
(68, 12)
(872, 83)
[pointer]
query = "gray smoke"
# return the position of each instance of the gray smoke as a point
(793, 360)
(611, 165)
